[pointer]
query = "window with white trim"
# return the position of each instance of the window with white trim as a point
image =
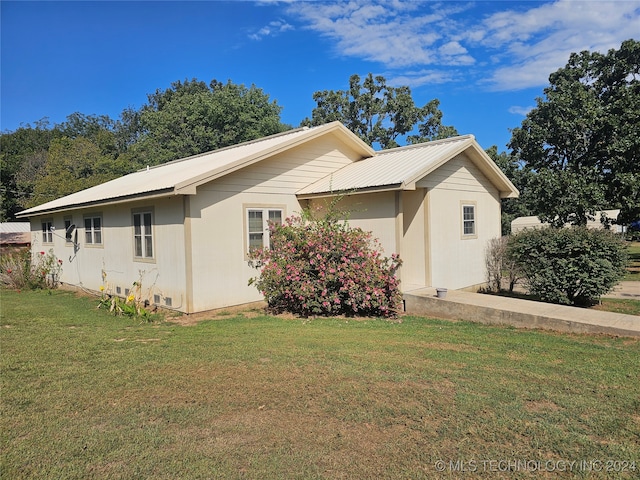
(258, 225)
(468, 220)
(93, 230)
(143, 234)
(47, 234)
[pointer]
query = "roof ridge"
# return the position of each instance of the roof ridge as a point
(425, 144)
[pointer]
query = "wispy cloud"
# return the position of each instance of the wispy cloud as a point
(514, 48)
(273, 28)
(516, 110)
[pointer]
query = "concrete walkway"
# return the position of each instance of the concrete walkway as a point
(493, 309)
(630, 290)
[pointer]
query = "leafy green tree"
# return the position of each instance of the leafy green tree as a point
(520, 175)
(583, 138)
(568, 265)
(71, 165)
(192, 117)
(379, 113)
(21, 150)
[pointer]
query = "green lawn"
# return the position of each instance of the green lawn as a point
(86, 395)
(633, 273)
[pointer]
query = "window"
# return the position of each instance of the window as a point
(143, 234)
(468, 220)
(47, 234)
(258, 225)
(68, 235)
(93, 230)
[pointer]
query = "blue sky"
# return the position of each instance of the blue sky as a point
(486, 61)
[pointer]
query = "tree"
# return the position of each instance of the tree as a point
(583, 139)
(520, 175)
(192, 117)
(379, 113)
(72, 165)
(23, 148)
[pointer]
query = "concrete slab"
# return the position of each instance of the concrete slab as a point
(493, 309)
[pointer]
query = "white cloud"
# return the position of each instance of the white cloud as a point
(516, 110)
(514, 46)
(273, 28)
(538, 41)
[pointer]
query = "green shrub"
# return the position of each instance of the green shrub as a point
(573, 266)
(325, 267)
(21, 270)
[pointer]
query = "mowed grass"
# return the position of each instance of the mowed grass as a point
(633, 271)
(86, 395)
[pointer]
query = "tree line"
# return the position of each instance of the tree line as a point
(575, 153)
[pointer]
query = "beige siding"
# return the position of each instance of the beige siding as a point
(456, 261)
(220, 268)
(112, 264)
(414, 254)
(459, 174)
(288, 172)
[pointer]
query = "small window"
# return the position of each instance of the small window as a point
(68, 231)
(468, 220)
(93, 230)
(143, 234)
(47, 234)
(258, 225)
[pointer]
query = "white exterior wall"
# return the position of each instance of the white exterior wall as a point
(217, 216)
(458, 261)
(83, 267)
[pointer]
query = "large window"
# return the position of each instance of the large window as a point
(93, 230)
(143, 234)
(47, 234)
(468, 220)
(258, 225)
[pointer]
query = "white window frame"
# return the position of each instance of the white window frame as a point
(266, 212)
(469, 218)
(93, 234)
(47, 234)
(144, 237)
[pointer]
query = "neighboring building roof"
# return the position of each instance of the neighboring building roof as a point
(181, 177)
(15, 233)
(521, 223)
(400, 168)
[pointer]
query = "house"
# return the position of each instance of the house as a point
(522, 223)
(183, 229)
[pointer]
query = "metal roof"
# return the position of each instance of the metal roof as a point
(184, 175)
(400, 168)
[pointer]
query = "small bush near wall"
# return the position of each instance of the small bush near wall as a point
(572, 266)
(19, 270)
(324, 267)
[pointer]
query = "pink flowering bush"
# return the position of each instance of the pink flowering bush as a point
(324, 267)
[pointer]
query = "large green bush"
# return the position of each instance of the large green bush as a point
(325, 267)
(573, 266)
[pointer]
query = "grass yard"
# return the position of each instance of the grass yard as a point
(633, 273)
(86, 395)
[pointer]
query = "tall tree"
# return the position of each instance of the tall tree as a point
(192, 117)
(378, 113)
(71, 165)
(583, 139)
(520, 175)
(22, 148)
